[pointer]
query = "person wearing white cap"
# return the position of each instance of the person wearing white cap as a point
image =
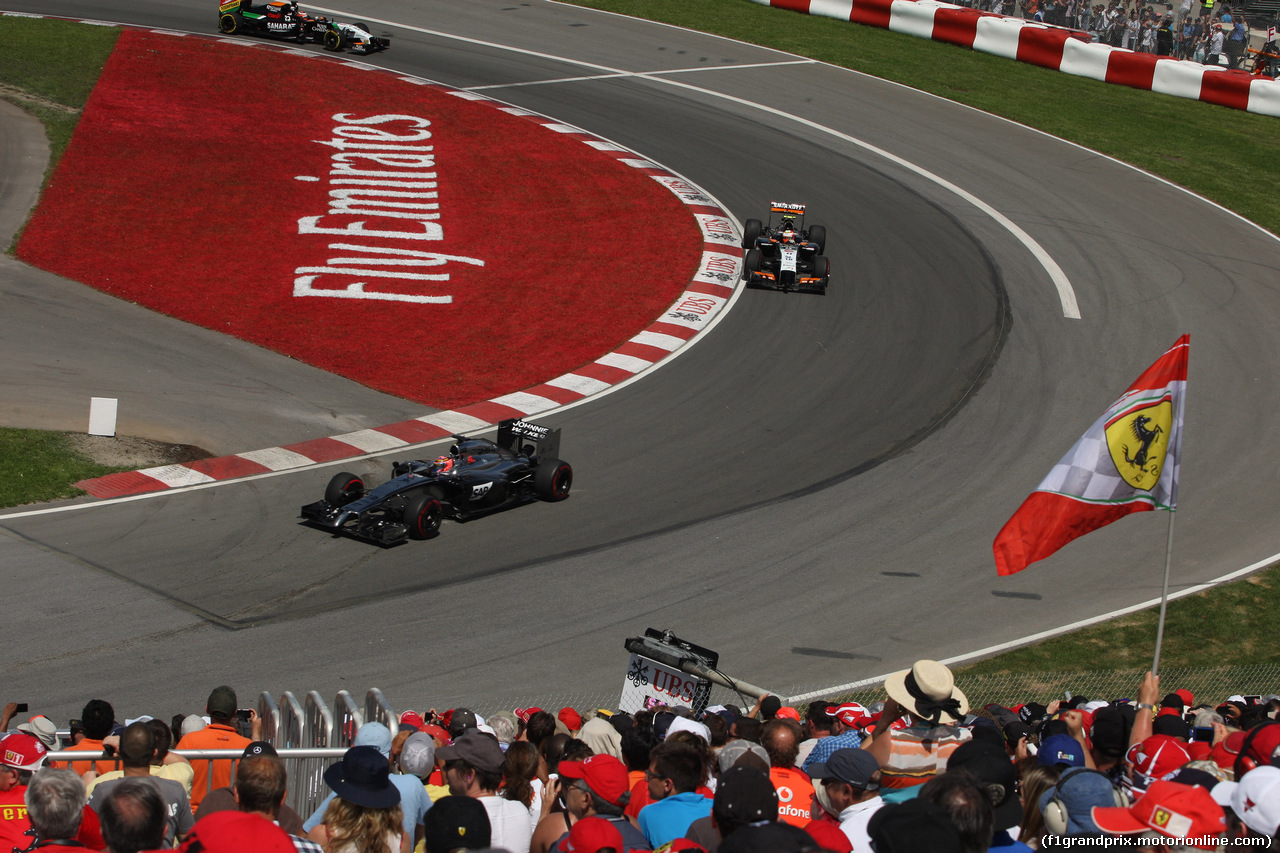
(928, 696)
(43, 728)
(1255, 801)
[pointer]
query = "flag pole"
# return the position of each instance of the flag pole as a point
(1164, 595)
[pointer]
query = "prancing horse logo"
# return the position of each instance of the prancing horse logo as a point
(1138, 440)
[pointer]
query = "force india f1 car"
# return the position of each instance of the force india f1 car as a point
(476, 478)
(283, 19)
(784, 255)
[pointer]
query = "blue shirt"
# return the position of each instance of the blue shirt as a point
(823, 748)
(669, 819)
(413, 799)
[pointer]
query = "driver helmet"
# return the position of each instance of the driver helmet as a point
(443, 464)
(788, 234)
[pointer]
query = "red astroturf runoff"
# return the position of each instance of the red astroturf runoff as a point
(195, 160)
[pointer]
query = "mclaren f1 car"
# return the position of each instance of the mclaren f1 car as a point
(785, 255)
(477, 477)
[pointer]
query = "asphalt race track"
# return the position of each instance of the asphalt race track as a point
(811, 490)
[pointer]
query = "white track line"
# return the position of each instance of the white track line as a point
(1066, 294)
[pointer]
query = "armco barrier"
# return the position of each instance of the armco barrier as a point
(1052, 47)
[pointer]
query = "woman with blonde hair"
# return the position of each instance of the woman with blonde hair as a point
(365, 816)
(1034, 780)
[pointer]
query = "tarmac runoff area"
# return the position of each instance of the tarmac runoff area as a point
(565, 168)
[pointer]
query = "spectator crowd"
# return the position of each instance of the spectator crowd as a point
(923, 770)
(1183, 29)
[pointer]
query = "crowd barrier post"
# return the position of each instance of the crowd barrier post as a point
(378, 709)
(347, 719)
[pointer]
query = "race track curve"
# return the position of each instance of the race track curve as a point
(811, 490)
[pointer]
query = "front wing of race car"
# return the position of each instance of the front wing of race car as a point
(798, 272)
(378, 515)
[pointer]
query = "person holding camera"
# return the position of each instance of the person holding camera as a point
(211, 774)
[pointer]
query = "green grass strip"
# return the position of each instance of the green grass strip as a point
(49, 67)
(38, 466)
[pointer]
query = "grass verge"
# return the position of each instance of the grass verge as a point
(49, 67)
(37, 466)
(1225, 155)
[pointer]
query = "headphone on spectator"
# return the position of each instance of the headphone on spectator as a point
(1055, 811)
(1246, 762)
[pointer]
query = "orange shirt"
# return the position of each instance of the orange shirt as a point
(101, 766)
(212, 736)
(795, 794)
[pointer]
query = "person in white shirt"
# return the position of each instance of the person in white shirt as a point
(850, 778)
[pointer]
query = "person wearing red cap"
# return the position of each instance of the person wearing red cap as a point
(236, 832)
(1154, 759)
(595, 788)
(21, 754)
(572, 720)
(1169, 810)
(592, 835)
(843, 736)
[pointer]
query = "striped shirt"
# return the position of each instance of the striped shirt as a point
(918, 753)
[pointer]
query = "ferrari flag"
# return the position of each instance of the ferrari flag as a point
(1126, 462)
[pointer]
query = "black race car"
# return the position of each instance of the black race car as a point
(283, 19)
(784, 254)
(476, 478)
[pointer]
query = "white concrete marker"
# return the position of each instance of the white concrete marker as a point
(102, 415)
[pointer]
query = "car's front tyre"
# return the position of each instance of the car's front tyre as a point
(818, 234)
(343, 489)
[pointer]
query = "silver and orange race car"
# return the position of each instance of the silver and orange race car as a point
(785, 255)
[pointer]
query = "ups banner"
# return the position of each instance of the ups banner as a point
(649, 683)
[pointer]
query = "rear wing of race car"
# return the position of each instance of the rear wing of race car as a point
(784, 211)
(529, 439)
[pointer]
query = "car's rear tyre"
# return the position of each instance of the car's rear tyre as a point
(552, 480)
(228, 23)
(362, 25)
(333, 40)
(751, 229)
(422, 515)
(818, 234)
(751, 264)
(343, 489)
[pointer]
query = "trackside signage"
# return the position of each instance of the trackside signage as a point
(419, 241)
(384, 200)
(649, 683)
